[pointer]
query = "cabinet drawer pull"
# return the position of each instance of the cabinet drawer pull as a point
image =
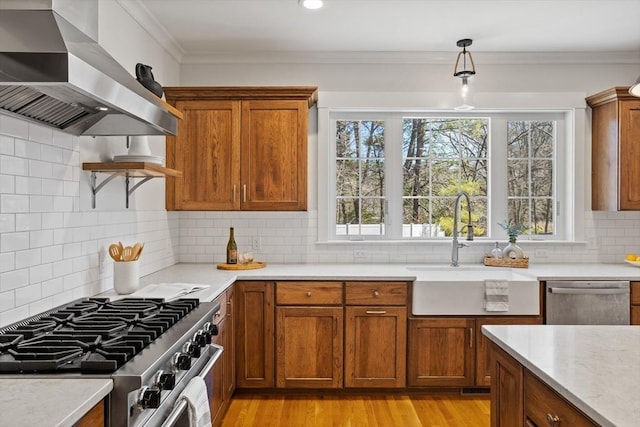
(309, 294)
(529, 423)
(471, 337)
(244, 192)
(376, 294)
(553, 420)
(234, 193)
(376, 312)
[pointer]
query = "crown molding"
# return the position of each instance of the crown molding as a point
(139, 12)
(444, 58)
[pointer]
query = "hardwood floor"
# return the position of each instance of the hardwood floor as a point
(332, 410)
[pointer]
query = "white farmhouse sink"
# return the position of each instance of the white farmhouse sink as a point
(444, 290)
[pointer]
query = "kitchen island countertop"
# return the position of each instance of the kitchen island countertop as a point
(593, 367)
(28, 402)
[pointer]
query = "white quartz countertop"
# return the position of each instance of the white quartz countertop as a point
(49, 402)
(596, 368)
(220, 280)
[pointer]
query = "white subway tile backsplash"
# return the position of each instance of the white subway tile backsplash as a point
(7, 184)
(52, 153)
(41, 238)
(40, 273)
(7, 300)
(11, 126)
(7, 145)
(7, 223)
(62, 204)
(62, 268)
(28, 186)
(64, 140)
(15, 315)
(40, 133)
(72, 250)
(28, 294)
(52, 287)
(14, 241)
(51, 253)
(41, 169)
(11, 165)
(13, 203)
(28, 221)
(7, 261)
(14, 279)
(28, 149)
(41, 203)
(52, 187)
(28, 258)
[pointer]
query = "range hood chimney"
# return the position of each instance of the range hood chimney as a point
(53, 72)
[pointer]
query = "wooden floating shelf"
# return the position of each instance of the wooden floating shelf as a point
(129, 170)
(500, 262)
(134, 169)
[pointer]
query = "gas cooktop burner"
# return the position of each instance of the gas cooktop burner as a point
(89, 335)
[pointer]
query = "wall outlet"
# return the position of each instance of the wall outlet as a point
(360, 255)
(541, 253)
(256, 243)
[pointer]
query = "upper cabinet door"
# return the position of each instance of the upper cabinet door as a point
(274, 155)
(615, 150)
(207, 151)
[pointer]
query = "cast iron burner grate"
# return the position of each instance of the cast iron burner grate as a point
(90, 335)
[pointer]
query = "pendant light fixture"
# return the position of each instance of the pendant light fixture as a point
(464, 68)
(310, 4)
(635, 89)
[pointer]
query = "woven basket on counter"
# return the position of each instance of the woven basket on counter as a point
(501, 262)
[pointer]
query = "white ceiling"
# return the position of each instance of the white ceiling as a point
(241, 28)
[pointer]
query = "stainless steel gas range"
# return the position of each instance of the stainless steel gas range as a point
(150, 348)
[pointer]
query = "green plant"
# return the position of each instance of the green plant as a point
(512, 230)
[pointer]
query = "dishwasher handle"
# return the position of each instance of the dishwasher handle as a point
(588, 291)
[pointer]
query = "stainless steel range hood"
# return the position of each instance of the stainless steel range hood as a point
(53, 72)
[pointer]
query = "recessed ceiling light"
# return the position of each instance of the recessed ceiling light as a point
(311, 4)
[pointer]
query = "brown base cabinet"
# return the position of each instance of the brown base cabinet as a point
(309, 347)
(223, 374)
(635, 303)
(255, 337)
(93, 418)
(451, 351)
(375, 354)
(521, 399)
(327, 334)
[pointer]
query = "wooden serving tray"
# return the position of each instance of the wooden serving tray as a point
(250, 266)
(501, 262)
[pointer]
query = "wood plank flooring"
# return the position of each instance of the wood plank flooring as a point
(331, 410)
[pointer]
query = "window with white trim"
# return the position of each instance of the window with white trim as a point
(396, 175)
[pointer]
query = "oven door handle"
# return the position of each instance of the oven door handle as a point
(181, 406)
(589, 291)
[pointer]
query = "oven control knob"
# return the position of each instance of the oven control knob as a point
(165, 380)
(149, 398)
(211, 329)
(200, 338)
(191, 349)
(181, 362)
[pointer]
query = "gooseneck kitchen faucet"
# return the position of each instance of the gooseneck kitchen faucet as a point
(455, 245)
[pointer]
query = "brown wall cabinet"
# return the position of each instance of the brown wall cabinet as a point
(615, 150)
(239, 148)
(449, 351)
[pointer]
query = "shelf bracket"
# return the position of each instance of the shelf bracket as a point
(133, 188)
(96, 188)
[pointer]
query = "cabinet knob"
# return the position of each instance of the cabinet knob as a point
(553, 420)
(376, 293)
(309, 294)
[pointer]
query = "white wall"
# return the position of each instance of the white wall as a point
(52, 244)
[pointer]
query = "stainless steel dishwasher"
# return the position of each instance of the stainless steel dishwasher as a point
(587, 302)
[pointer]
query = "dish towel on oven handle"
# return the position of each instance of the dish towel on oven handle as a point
(195, 394)
(496, 295)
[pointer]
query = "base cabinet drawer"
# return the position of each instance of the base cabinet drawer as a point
(543, 407)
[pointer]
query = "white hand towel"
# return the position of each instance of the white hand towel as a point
(195, 394)
(496, 295)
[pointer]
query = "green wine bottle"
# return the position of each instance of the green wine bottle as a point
(232, 249)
